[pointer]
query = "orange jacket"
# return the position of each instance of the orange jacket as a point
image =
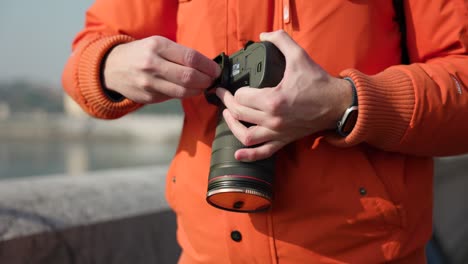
(366, 198)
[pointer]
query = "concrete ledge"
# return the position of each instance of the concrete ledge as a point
(138, 239)
(116, 216)
(451, 207)
(121, 216)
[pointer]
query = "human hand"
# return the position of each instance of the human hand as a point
(155, 69)
(306, 101)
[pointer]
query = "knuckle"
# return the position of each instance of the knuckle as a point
(145, 98)
(187, 76)
(144, 82)
(156, 42)
(146, 62)
(247, 139)
(280, 33)
(179, 92)
(276, 123)
(276, 103)
(266, 152)
(236, 114)
(238, 95)
(190, 57)
(256, 155)
(162, 69)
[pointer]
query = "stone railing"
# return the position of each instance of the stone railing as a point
(117, 216)
(120, 216)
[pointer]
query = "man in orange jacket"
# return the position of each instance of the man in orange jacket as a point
(363, 196)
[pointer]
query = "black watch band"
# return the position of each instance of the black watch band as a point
(346, 124)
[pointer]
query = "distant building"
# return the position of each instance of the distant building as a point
(72, 109)
(4, 110)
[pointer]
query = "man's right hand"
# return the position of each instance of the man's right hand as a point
(155, 69)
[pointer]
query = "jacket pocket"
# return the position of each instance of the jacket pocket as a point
(387, 171)
(371, 189)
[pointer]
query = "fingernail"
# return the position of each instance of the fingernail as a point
(244, 160)
(242, 157)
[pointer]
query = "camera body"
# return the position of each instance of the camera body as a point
(258, 65)
(234, 185)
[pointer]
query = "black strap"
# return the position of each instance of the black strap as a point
(400, 18)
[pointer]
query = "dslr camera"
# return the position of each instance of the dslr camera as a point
(235, 185)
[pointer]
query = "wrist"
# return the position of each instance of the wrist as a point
(343, 93)
(108, 63)
(108, 90)
(89, 85)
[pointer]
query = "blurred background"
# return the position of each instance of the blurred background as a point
(43, 131)
(74, 189)
(46, 140)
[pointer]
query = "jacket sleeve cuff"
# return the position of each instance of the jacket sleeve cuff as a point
(386, 104)
(89, 80)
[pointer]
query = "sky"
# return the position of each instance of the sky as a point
(36, 36)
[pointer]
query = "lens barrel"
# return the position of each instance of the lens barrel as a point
(234, 185)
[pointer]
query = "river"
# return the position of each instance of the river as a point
(34, 158)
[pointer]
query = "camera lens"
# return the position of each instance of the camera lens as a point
(234, 185)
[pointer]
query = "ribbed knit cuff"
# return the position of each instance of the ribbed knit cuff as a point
(386, 104)
(89, 79)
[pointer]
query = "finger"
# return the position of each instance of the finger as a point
(181, 75)
(146, 97)
(159, 86)
(258, 153)
(253, 97)
(190, 58)
(239, 111)
(251, 135)
(283, 42)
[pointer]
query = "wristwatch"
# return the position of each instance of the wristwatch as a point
(346, 124)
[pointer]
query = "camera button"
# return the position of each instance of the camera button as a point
(259, 67)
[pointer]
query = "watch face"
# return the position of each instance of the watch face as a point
(350, 122)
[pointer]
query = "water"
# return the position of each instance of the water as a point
(33, 158)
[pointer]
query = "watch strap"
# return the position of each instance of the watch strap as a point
(349, 111)
(353, 87)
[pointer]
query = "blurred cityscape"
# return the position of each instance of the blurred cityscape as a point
(44, 132)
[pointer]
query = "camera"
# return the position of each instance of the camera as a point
(235, 185)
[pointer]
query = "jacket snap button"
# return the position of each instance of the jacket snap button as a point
(236, 236)
(362, 191)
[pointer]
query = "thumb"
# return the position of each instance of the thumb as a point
(282, 41)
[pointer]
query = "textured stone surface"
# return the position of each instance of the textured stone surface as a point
(451, 207)
(138, 239)
(116, 216)
(38, 204)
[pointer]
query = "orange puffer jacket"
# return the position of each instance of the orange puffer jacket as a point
(366, 198)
